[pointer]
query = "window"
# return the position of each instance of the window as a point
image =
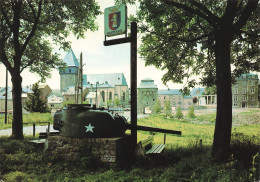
(243, 98)
(252, 90)
(236, 91)
(235, 105)
(236, 84)
(123, 96)
(252, 83)
(69, 70)
(244, 91)
(110, 95)
(164, 97)
(235, 98)
(252, 98)
(243, 83)
(103, 95)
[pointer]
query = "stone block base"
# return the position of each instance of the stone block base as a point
(112, 150)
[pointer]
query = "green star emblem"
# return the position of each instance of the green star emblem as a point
(89, 128)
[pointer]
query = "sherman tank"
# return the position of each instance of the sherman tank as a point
(86, 121)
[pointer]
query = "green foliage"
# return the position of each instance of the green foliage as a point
(109, 103)
(116, 101)
(66, 103)
(191, 113)
(85, 102)
(167, 108)
(157, 107)
(211, 90)
(179, 113)
(34, 103)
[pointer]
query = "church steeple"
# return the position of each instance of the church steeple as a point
(69, 74)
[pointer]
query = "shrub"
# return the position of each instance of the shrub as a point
(157, 107)
(191, 113)
(167, 108)
(179, 113)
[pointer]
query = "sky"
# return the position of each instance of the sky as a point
(98, 59)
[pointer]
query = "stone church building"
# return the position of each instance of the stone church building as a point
(110, 85)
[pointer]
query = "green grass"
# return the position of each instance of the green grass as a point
(27, 118)
(183, 159)
(19, 161)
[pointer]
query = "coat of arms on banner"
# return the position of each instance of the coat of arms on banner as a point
(114, 20)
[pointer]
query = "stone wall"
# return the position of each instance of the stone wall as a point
(112, 150)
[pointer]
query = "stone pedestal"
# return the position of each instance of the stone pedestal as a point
(112, 150)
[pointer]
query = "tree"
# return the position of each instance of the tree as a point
(167, 108)
(28, 31)
(157, 107)
(191, 113)
(179, 113)
(34, 103)
(116, 101)
(188, 38)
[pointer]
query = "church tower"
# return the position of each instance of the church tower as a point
(69, 74)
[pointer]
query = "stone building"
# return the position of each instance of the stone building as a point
(146, 95)
(245, 91)
(111, 85)
(69, 74)
(173, 95)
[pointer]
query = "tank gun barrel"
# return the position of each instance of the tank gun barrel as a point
(147, 128)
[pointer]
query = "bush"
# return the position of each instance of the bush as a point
(157, 107)
(179, 113)
(191, 113)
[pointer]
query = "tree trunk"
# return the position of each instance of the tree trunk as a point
(222, 135)
(17, 125)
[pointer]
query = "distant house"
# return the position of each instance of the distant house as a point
(146, 95)
(175, 97)
(55, 100)
(245, 92)
(25, 91)
(45, 91)
(95, 98)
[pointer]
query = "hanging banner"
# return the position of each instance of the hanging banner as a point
(115, 19)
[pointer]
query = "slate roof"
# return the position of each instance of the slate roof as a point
(112, 79)
(248, 76)
(169, 92)
(57, 94)
(70, 59)
(147, 83)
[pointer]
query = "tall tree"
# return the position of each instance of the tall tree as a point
(34, 103)
(28, 29)
(195, 37)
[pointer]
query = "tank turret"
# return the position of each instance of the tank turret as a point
(86, 121)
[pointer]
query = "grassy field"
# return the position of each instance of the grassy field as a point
(27, 118)
(183, 160)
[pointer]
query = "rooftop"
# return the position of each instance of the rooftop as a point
(70, 59)
(147, 83)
